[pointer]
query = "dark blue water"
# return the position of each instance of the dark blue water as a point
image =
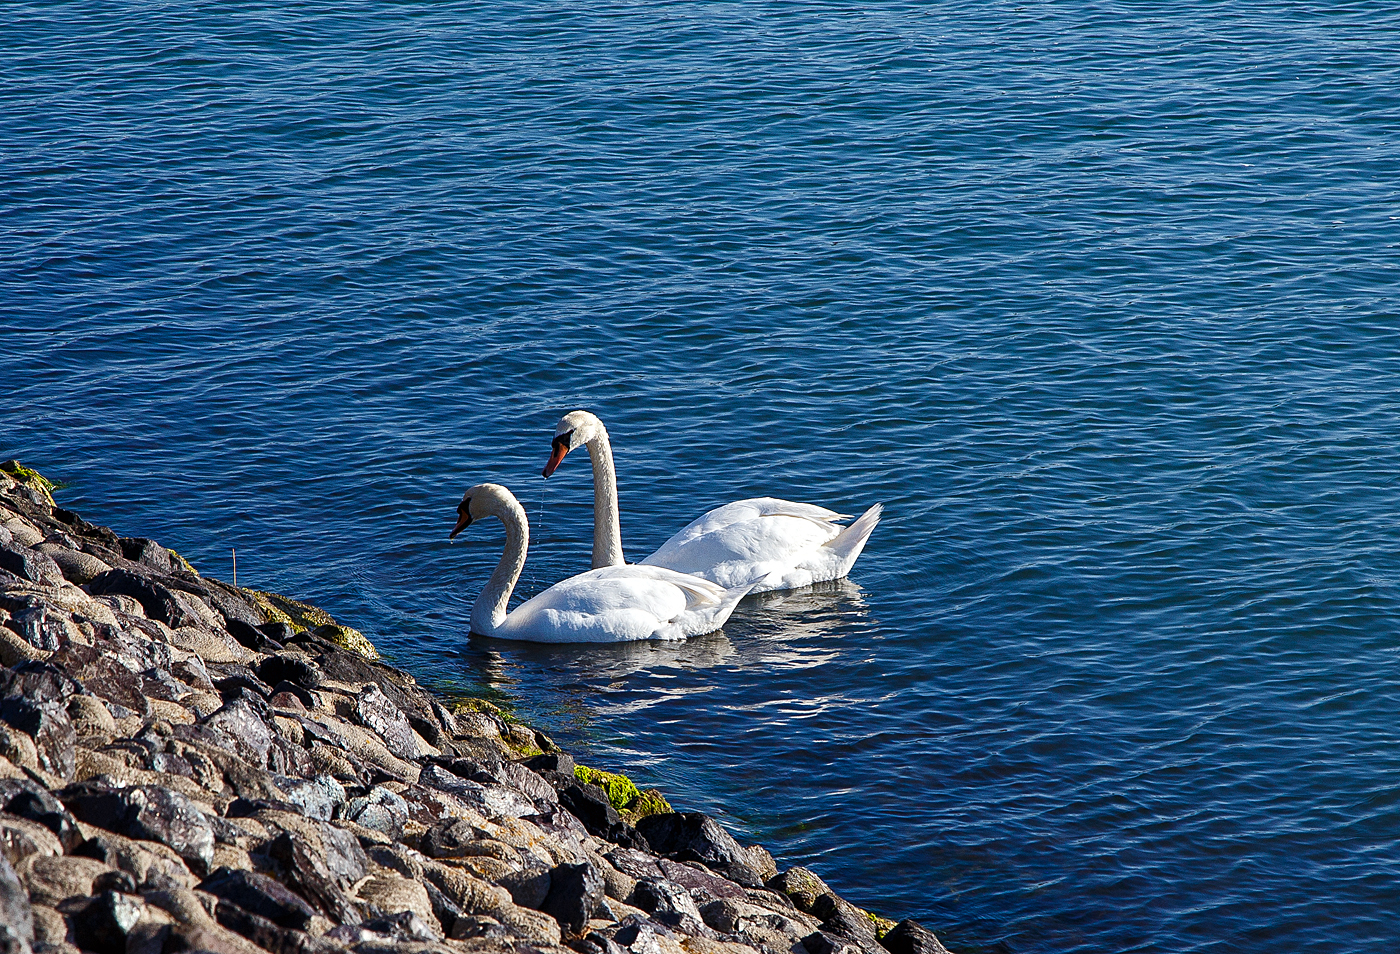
(1100, 298)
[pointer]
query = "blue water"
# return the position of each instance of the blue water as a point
(1098, 297)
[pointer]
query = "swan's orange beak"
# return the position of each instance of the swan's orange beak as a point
(560, 447)
(464, 520)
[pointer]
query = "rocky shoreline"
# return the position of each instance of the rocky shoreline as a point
(190, 766)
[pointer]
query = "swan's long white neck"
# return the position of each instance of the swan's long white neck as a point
(607, 535)
(489, 610)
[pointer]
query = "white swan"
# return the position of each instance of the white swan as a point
(782, 543)
(608, 605)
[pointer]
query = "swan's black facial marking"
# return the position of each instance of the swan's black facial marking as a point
(557, 449)
(464, 518)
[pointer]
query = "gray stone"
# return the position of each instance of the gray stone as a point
(90, 716)
(575, 895)
(26, 799)
(345, 859)
(375, 712)
(491, 800)
(695, 878)
(308, 873)
(193, 673)
(844, 919)
(48, 724)
(671, 904)
(694, 836)
(529, 884)
(108, 679)
(801, 885)
(146, 552)
(16, 915)
(316, 798)
(529, 784)
(158, 601)
(470, 926)
(265, 933)
(33, 626)
(32, 565)
(636, 864)
(160, 684)
(102, 923)
(38, 682)
(242, 730)
(261, 895)
(379, 810)
(590, 805)
(639, 934)
(820, 942)
(146, 811)
(293, 668)
(911, 937)
(78, 567)
(560, 762)
(403, 926)
(20, 838)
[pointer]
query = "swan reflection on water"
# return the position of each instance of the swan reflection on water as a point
(790, 629)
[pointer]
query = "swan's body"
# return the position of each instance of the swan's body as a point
(782, 543)
(606, 605)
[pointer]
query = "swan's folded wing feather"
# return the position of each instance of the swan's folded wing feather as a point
(729, 542)
(754, 510)
(699, 592)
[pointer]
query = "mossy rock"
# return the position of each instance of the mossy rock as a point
(181, 562)
(30, 478)
(622, 792)
(620, 789)
(882, 926)
(474, 704)
(303, 616)
(349, 639)
(649, 802)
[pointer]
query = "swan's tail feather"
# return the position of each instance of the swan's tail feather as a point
(850, 541)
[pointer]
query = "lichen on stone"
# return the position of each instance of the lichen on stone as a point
(30, 478)
(181, 562)
(882, 926)
(303, 616)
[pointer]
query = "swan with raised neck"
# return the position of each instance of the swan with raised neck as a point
(785, 544)
(582, 429)
(604, 605)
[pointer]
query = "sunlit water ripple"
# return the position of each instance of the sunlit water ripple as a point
(1098, 298)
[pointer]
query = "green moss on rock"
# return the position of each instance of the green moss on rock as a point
(882, 926)
(649, 802)
(620, 789)
(30, 478)
(303, 616)
(622, 792)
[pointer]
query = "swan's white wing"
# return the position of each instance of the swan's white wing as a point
(747, 538)
(746, 512)
(699, 591)
(606, 605)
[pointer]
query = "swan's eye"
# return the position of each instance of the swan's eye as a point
(563, 440)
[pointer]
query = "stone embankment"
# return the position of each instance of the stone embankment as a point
(186, 765)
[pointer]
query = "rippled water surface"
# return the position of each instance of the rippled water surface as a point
(1098, 297)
